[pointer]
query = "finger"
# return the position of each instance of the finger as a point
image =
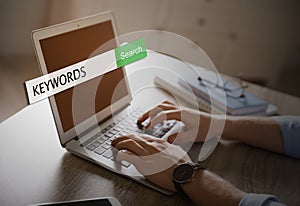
(143, 143)
(147, 137)
(142, 139)
(146, 142)
(172, 137)
(165, 115)
(168, 102)
(178, 138)
(118, 139)
(182, 137)
(127, 156)
(152, 112)
(132, 146)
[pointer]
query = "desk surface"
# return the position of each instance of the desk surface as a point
(34, 168)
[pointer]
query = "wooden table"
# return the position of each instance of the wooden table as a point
(34, 168)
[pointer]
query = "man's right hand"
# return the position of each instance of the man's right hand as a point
(196, 123)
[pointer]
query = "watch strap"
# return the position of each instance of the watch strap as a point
(178, 186)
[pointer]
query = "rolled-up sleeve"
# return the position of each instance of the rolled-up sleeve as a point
(290, 132)
(260, 200)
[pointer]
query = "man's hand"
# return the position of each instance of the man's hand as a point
(154, 158)
(196, 123)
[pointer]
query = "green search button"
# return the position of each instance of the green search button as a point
(130, 52)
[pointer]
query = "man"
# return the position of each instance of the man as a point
(280, 134)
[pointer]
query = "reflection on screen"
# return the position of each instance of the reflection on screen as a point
(66, 49)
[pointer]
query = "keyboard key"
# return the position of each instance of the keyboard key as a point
(117, 128)
(109, 135)
(91, 147)
(100, 140)
(114, 131)
(108, 154)
(117, 121)
(100, 150)
(125, 164)
(106, 137)
(121, 126)
(89, 141)
(127, 130)
(139, 130)
(104, 130)
(106, 146)
(122, 134)
(96, 144)
(109, 141)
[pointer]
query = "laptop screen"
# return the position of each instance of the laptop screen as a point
(74, 46)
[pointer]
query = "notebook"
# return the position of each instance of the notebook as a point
(178, 89)
(90, 115)
(234, 105)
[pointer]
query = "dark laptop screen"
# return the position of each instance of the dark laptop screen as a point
(68, 48)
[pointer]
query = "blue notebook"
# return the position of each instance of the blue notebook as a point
(248, 105)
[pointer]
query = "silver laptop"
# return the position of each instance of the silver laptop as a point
(65, 44)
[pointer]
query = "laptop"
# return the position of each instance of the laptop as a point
(61, 45)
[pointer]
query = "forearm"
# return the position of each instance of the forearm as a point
(209, 189)
(261, 132)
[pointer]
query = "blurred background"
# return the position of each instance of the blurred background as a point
(259, 39)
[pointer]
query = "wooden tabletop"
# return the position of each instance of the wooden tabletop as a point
(34, 168)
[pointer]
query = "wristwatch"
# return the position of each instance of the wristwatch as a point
(184, 173)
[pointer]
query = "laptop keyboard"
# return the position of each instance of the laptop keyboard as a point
(101, 142)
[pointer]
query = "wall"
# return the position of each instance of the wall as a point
(17, 20)
(256, 38)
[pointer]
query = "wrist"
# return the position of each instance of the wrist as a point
(184, 174)
(212, 126)
(196, 181)
(208, 188)
(228, 126)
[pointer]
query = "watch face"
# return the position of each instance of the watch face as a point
(183, 173)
